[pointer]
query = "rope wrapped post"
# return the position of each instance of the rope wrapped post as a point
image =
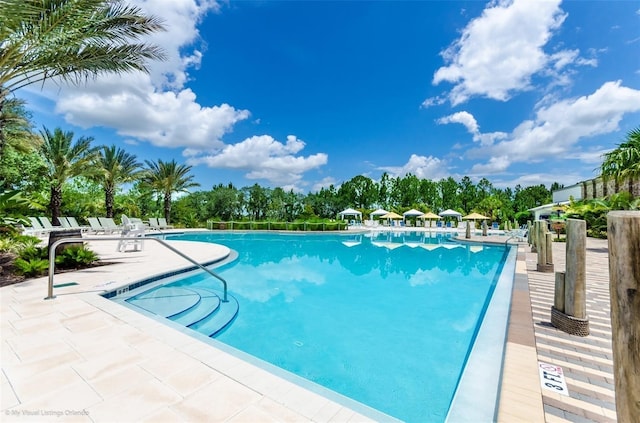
(623, 230)
(573, 319)
(558, 299)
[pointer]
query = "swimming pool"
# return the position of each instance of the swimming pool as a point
(388, 319)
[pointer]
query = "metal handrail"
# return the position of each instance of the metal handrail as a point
(52, 257)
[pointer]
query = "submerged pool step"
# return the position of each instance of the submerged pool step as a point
(166, 301)
(216, 322)
(208, 304)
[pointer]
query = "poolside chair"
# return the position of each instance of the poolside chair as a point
(46, 224)
(139, 223)
(73, 224)
(64, 222)
(130, 229)
(162, 222)
(109, 225)
(36, 228)
(95, 225)
(153, 223)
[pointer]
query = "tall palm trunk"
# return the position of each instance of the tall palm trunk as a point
(55, 203)
(167, 206)
(108, 200)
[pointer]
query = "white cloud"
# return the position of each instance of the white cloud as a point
(155, 108)
(557, 128)
(467, 119)
(499, 52)
(528, 179)
(165, 119)
(464, 118)
(495, 165)
(433, 101)
(324, 183)
(263, 157)
(420, 166)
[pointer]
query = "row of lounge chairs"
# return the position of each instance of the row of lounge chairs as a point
(42, 225)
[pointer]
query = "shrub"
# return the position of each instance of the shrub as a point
(33, 253)
(15, 244)
(32, 267)
(75, 256)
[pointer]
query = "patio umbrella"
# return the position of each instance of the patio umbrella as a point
(391, 215)
(349, 212)
(450, 213)
(412, 212)
(378, 212)
(430, 216)
(475, 216)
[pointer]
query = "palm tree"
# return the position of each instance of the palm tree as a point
(64, 160)
(624, 161)
(167, 178)
(115, 166)
(72, 40)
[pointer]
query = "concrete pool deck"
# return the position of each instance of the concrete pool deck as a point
(81, 357)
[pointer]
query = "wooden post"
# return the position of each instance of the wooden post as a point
(468, 230)
(545, 255)
(623, 229)
(534, 236)
(484, 228)
(558, 300)
(575, 303)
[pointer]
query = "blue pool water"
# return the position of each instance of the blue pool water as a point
(387, 319)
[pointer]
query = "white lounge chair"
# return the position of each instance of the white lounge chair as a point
(130, 229)
(162, 222)
(153, 223)
(95, 225)
(36, 228)
(109, 225)
(73, 224)
(46, 224)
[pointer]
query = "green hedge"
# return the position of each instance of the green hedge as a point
(276, 226)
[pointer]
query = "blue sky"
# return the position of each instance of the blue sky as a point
(303, 94)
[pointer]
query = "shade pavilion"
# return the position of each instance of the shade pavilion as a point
(350, 212)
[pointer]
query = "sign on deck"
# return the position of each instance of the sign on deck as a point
(552, 378)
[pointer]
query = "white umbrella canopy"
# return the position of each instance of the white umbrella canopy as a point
(412, 212)
(379, 212)
(450, 213)
(349, 212)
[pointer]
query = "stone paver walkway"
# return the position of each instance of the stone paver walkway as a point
(586, 361)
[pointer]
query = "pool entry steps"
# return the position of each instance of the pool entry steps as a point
(200, 309)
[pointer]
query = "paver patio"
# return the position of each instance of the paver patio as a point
(81, 357)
